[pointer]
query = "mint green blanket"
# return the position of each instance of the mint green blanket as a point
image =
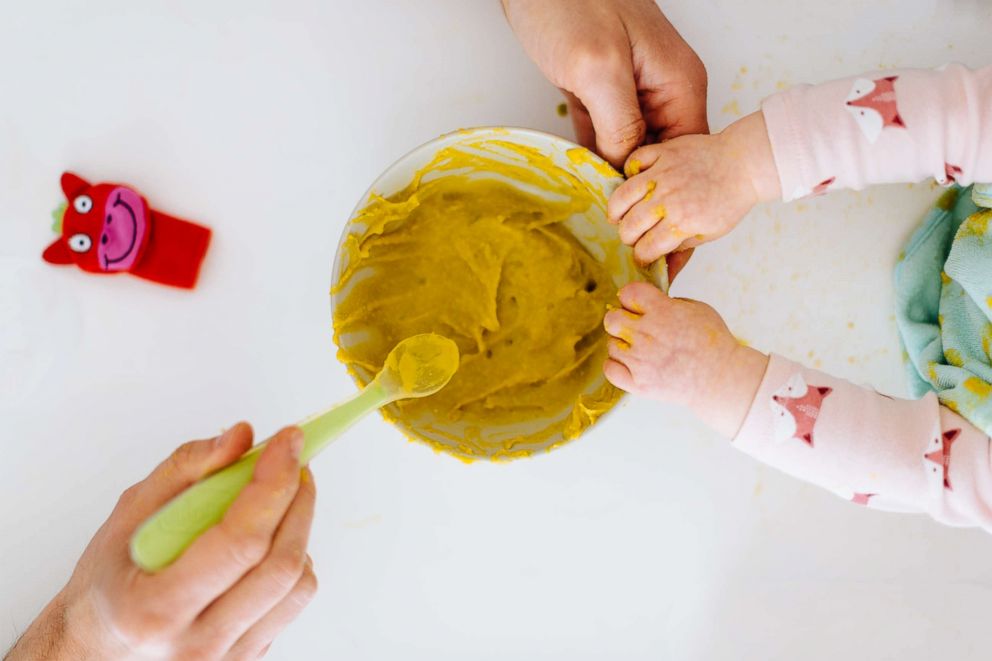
(943, 287)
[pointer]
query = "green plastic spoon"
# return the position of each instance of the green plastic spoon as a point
(416, 367)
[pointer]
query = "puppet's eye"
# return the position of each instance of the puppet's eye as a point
(82, 204)
(80, 242)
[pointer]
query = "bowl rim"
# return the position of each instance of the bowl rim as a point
(432, 143)
(659, 276)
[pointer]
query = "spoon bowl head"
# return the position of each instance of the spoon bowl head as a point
(419, 366)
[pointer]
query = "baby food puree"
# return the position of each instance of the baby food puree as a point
(476, 249)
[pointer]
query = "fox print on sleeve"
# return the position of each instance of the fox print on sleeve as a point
(898, 126)
(870, 449)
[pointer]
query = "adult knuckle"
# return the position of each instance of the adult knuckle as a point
(184, 455)
(246, 549)
(306, 587)
(590, 60)
(129, 496)
(285, 568)
(630, 132)
(695, 72)
(137, 626)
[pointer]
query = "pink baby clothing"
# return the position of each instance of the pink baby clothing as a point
(874, 450)
(888, 127)
(906, 455)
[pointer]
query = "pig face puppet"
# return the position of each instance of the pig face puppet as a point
(109, 228)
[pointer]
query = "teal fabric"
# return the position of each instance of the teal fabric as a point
(943, 285)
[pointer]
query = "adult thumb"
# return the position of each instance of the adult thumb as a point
(611, 100)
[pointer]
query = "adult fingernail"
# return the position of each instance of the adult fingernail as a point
(295, 442)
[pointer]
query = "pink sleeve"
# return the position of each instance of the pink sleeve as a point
(873, 450)
(894, 126)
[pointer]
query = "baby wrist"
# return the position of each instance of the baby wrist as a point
(728, 401)
(748, 140)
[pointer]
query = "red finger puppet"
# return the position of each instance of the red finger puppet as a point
(109, 228)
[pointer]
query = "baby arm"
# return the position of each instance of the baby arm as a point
(896, 454)
(869, 448)
(889, 127)
(900, 126)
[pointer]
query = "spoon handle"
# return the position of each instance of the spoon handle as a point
(166, 534)
(321, 429)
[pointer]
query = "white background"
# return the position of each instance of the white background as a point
(648, 539)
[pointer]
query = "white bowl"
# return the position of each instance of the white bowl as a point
(591, 229)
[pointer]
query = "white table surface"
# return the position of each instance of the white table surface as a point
(650, 538)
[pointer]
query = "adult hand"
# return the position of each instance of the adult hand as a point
(626, 72)
(227, 597)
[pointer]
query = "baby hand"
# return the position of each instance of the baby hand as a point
(693, 189)
(680, 351)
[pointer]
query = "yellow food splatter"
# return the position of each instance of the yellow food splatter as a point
(975, 385)
(948, 199)
(562, 109)
(731, 108)
(632, 167)
(659, 211)
(977, 224)
(493, 267)
(582, 156)
(649, 193)
(953, 357)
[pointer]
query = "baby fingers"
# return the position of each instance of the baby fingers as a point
(661, 239)
(640, 297)
(618, 350)
(618, 374)
(642, 158)
(627, 195)
(620, 324)
(639, 220)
